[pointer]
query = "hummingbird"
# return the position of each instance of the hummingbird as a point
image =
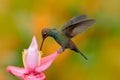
(63, 36)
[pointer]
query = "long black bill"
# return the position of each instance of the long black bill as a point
(42, 44)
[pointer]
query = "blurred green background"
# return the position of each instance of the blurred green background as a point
(21, 19)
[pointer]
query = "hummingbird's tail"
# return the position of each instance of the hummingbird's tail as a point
(78, 51)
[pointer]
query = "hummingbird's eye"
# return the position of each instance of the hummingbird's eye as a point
(45, 33)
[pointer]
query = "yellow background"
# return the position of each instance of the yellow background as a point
(21, 19)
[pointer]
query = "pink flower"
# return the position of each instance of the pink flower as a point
(34, 65)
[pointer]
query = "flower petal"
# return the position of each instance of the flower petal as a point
(46, 62)
(24, 57)
(16, 71)
(32, 55)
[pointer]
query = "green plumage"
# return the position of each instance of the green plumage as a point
(59, 37)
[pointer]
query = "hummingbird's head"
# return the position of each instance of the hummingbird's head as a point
(45, 34)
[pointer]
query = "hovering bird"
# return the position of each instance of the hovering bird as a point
(63, 36)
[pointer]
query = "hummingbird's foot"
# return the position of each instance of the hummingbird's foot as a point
(60, 50)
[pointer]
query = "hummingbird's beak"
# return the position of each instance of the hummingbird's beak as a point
(42, 43)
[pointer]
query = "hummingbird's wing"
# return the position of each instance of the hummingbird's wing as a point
(77, 28)
(74, 20)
